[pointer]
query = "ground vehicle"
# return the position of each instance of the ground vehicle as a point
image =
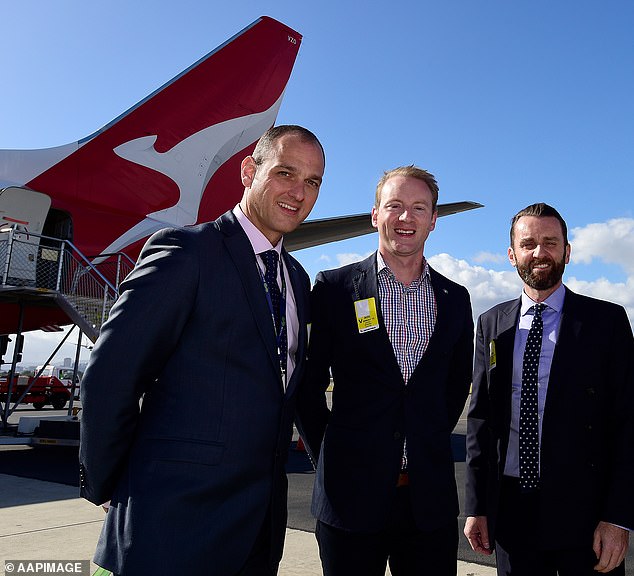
(45, 390)
(65, 375)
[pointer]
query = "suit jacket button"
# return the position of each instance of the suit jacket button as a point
(397, 435)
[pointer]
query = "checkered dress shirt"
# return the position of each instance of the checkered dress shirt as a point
(409, 313)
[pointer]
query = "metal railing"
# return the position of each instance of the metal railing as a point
(52, 266)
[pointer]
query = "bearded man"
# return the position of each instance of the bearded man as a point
(550, 434)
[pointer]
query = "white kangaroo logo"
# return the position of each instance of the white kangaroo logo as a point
(190, 164)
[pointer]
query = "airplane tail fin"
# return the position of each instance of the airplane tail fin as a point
(176, 151)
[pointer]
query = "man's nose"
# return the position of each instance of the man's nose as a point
(297, 191)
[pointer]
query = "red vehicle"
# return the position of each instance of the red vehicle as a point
(43, 391)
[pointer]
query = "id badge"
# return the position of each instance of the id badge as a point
(367, 318)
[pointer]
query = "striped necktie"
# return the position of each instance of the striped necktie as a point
(270, 258)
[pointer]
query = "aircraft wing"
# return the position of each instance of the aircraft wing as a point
(325, 230)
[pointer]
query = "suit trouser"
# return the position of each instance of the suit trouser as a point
(408, 550)
(517, 532)
(258, 562)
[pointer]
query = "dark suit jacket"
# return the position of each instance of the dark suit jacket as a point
(373, 411)
(587, 447)
(192, 476)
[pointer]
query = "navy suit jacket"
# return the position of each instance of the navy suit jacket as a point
(373, 410)
(191, 475)
(587, 444)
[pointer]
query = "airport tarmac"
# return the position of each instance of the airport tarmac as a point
(43, 517)
(47, 521)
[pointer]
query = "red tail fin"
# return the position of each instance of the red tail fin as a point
(174, 157)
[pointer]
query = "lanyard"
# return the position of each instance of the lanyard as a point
(280, 331)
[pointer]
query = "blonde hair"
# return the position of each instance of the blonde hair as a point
(410, 171)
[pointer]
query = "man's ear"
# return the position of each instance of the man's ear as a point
(373, 217)
(248, 168)
(511, 255)
(432, 225)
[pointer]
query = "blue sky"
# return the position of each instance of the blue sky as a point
(507, 103)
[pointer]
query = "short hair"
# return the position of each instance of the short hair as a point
(540, 210)
(263, 148)
(410, 171)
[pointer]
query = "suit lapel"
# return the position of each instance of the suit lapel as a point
(565, 354)
(241, 252)
(443, 311)
(501, 377)
(301, 305)
(504, 336)
(439, 340)
(364, 284)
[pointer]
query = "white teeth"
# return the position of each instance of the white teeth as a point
(408, 232)
(287, 206)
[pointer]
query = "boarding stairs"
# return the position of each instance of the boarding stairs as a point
(54, 272)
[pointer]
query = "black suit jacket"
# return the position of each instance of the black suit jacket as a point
(373, 411)
(587, 446)
(192, 475)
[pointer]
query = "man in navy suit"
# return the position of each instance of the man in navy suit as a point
(195, 477)
(398, 338)
(570, 513)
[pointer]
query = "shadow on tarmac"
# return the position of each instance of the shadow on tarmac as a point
(60, 465)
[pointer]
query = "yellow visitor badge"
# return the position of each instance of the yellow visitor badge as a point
(492, 359)
(367, 318)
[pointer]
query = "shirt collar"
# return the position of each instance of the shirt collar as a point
(382, 267)
(555, 301)
(259, 242)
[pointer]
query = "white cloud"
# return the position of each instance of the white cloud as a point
(486, 287)
(489, 287)
(494, 258)
(349, 258)
(619, 292)
(611, 242)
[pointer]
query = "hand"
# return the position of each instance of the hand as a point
(477, 532)
(609, 545)
(106, 506)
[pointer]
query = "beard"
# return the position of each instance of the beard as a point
(539, 281)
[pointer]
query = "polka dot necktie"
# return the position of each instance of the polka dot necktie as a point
(529, 424)
(270, 258)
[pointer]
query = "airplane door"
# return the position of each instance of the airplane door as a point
(22, 215)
